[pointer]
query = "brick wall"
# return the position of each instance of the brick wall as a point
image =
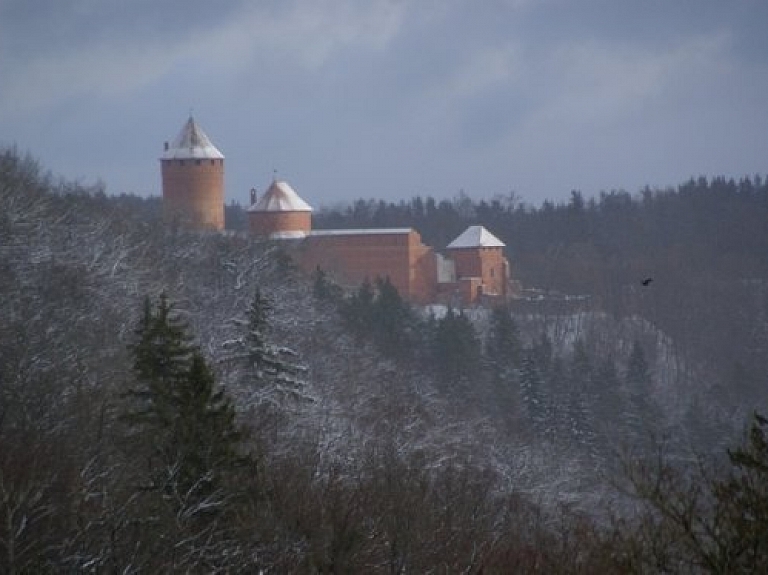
(193, 190)
(353, 258)
(266, 223)
(487, 264)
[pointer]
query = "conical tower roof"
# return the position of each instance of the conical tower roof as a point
(476, 237)
(192, 143)
(280, 197)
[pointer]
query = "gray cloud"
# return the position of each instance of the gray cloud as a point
(389, 98)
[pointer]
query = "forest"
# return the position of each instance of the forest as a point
(185, 402)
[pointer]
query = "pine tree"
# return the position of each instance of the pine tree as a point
(456, 350)
(643, 416)
(503, 346)
(391, 319)
(533, 395)
(163, 348)
(207, 435)
(581, 398)
(271, 370)
(743, 502)
(380, 314)
(175, 411)
(323, 288)
(358, 309)
(162, 354)
(609, 407)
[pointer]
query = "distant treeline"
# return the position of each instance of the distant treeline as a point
(700, 221)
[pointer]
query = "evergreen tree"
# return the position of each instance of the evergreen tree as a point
(208, 437)
(358, 309)
(581, 398)
(544, 353)
(743, 502)
(609, 406)
(163, 348)
(391, 319)
(176, 411)
(323, 288)
(271, 369)
(456, 350)
(503, 346)
(380, 314)
(533, 395)
(558, 389)
(643, 416)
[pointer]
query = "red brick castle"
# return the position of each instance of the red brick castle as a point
(471, 269)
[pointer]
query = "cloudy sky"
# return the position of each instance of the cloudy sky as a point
(350, 99)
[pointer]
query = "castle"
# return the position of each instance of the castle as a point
(470, 270)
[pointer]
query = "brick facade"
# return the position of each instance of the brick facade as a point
(488, 264)
(352, 257)
(193, 191)
(268, 223)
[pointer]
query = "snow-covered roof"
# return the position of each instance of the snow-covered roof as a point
(476, 237)
(361, 232)
(192, 143)
(280, 197)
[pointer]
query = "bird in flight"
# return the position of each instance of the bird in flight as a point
(647, 281)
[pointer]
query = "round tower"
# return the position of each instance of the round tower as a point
(280, 213)
(193, 180)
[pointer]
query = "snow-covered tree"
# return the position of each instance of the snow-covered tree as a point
(503, 346)
(581, 398)
(643, 416)
(270, 373)
(534, 396)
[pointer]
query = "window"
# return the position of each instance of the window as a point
(197, 162)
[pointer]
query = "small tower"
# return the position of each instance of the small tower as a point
(193, 180)
(280, 213)
(481, 268)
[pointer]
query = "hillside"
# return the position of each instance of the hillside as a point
(403, 440)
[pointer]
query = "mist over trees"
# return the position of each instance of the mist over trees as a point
(179, 402)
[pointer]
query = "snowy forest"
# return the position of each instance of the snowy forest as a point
(185, 402)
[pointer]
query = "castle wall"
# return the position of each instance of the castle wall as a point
(193, 190)
(423, 266)
(353, 257)
(266, 223)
